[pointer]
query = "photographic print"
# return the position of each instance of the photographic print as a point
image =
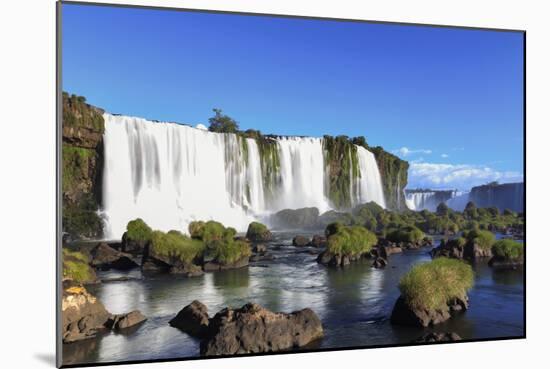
(238, 184)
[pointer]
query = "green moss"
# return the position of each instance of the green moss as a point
(177, 245)
(508, 249)
(76, 268)
(77, 163)
(394, 177)
(270, 163)
(218, 243)
(231, 251)
(433, 284)
(405, 234)
(77, 113)
(257, 230)
(349, 240)
(483, 239)
(138, 230)
(82, 221)
(343, 168)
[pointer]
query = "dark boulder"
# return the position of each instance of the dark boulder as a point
(337, 260)
(105, 257)
(258, 232)
(135, 247)
(380, 262)
(83, 315)
(403, 314)
(438, 337)
(295, 218)
(318, 241)
(300, 241)
(192, 319)
(123, 321)
(254, 329)
(153, 261)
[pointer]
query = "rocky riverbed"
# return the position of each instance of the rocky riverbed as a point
(354, 303)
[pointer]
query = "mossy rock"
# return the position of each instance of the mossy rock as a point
(258, 232)
(76, 267)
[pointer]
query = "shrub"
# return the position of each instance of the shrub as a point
(222, 123)
(231, 251)
(176, 244)
(352, 240)
(433, 284)
(405, 234)
(508, 249)
(483, 239)
(75, 267)
(138, 230)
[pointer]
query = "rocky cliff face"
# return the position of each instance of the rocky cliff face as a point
(394, 172)
(503, 196)
(82, 166)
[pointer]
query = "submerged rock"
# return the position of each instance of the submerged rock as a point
(318, 241)
(123, 321)
(380, 262)
(156, 262)
(192, 319)
(213, 266)
(403, 314)
(105, 257)
(253, 329)
(438, 337)
(300, 241)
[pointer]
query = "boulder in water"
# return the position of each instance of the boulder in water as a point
(123, 321)
(254, 329)
(258, 232)
(318, 241)
(295, 218)
(403, 314)
(300, 241)
(192, 319)
(105, 257)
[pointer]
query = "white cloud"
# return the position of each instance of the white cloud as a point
(444, 156)
(459, 176)
(405, 151)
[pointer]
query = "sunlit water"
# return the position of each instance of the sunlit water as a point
(354, 304)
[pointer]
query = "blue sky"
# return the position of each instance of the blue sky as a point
(450, 101)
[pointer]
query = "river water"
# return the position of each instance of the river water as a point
(354, 304)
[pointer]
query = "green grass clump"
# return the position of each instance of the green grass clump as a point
(405, 234)
(210, 231)
(352, 240)
(75, 266)
(508, 249)
(256, 230)
(138, 230)
(484, 239)
(231, 251)
(176, 244)
(433, 284)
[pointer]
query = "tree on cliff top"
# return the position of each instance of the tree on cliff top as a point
(222, 123)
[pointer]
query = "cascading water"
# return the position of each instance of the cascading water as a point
(369, 184)
(170, 174)
(419, 200)
(302, 174)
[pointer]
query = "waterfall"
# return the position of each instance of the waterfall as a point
(369, 184)
(302, 174)
(170, 174)
(429, 199)
(419, 200)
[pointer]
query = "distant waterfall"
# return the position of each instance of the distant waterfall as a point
(429, 199)
(170, 174)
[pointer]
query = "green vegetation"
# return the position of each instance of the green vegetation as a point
(222, 123)
(218, 242)
(393, 171)
(508, 249)
(270, 163)
(174, 244)
(76, 268)
(483, 239)
(343, 167)
(349, 240)
(77, 113)
(405, 234)
(138, 230)
(257, 231)
(81, 155)
(433, 284)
